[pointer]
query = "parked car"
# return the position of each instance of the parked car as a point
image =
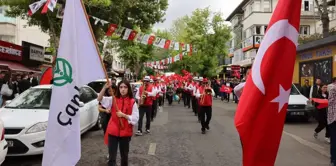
(99, 84)
(299, 106)
(26, 118)
(3, 143)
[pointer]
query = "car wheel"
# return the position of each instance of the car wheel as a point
(99, 124)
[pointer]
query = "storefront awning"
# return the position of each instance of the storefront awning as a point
(16, 66)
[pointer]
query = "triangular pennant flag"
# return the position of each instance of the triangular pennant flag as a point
(127, 33)
(34, 7)
(45, 8)
(132, 35)
(103, 22)
(96, 20)
(159, 42)
(190, 50)
(111, 29)
(167, 44)
(145, 39)
(139, 37)
(119, 31)
(177, 46)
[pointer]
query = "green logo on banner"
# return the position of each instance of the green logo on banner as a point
(62, 72)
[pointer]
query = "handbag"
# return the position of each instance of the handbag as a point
(6, 91)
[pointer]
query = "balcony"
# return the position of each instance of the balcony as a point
(252, 42)
(310, 15)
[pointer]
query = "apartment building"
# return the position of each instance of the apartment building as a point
(249, 23)
(16, 30)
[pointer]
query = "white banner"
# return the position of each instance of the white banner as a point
(77, 64)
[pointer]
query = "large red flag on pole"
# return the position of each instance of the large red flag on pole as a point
(263, 105)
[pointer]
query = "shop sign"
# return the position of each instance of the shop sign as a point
(306, 56)
(36, 53)
(324, 52)
(9, 51)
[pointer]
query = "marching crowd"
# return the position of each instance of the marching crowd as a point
(195, 92)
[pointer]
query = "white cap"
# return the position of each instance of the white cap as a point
(147, 78)
(200, 78)
(151, 81)
(195, 78)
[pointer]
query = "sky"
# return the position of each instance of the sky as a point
(179, 8)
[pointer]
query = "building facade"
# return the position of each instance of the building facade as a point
(16, 30)
(316, 59)
(249, 23)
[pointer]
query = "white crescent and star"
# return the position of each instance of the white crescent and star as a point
(277, 31)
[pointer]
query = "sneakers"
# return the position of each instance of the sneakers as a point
(203, 131)
(208, 128)
(147, 131)
(108, 156)
(327, 140)
(138, 133)
(315, 135)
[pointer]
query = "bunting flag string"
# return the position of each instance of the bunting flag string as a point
(162, 64)
(125, 34)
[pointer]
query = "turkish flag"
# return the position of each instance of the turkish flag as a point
(167, 44)
(262, 107)
(112, 28)
(47, 76)
(132, 35)
(321, 103)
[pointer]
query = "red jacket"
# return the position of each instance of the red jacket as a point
(125, 105)
(148, 100)
(207, 101)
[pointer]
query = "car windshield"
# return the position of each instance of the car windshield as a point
(97, 85)
(294, 91)
(33, 98)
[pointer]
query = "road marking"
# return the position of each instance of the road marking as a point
(152, 148)
(318, 148)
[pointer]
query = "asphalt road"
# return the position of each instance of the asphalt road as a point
(176, 140)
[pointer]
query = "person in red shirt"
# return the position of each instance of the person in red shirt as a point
(145, 107)
(124, 115)
(205, 94)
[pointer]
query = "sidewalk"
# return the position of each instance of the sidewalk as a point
(302, 132)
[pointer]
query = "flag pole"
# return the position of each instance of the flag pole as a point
(102, 64)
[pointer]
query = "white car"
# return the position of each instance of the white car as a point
(299, 106)
(3, 143)
(26, 117)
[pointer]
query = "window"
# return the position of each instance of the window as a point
(258, 30)
(267, 6)
(304, 30)
(265, 28)
(33, 98)
(256, 6)
(306, 5)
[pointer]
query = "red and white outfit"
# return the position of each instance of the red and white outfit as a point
(205, 106)
(116, 135)
(146, 108)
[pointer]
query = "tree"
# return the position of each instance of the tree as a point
(208, 33)
(128, 13)
(322, 6)
(134, 55)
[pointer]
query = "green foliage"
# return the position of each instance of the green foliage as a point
(208, 34)
(140, 13)
(134, 54)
